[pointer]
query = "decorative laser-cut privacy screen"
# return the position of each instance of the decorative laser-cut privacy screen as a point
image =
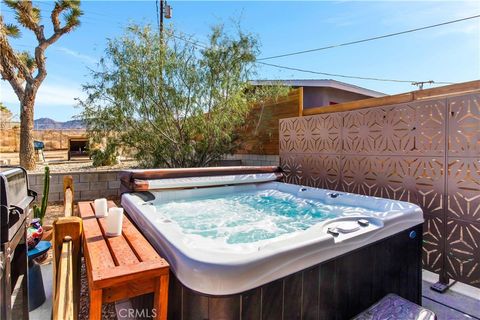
(425, 152)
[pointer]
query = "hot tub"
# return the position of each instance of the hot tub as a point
(228, 234)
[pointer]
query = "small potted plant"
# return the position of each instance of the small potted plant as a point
(35, 230)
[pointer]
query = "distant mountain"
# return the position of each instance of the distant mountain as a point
(49, 124)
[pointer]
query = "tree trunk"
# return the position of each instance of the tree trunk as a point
(27, 152)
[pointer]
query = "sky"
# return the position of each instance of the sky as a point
(448, 53)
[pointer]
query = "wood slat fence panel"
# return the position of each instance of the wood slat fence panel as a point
(260, 133)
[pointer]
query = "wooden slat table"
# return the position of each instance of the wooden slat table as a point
(121, 267)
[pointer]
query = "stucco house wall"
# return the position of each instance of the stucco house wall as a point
(317, 97)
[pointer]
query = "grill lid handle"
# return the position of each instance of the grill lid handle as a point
(32, 193)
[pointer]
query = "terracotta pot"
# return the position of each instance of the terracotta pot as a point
(47, 232)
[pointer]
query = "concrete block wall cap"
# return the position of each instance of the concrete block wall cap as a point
(78, 171)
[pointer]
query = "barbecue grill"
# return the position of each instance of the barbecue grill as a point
(15, 206)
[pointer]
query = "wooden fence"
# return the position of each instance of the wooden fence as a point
(260, 134)
(454, 89)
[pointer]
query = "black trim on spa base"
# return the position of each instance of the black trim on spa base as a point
(335, 289)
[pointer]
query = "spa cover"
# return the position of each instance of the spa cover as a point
(156, 179)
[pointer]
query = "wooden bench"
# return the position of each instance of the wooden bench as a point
(121, 267)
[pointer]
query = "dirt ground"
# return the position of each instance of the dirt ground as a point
(54, 211)
(54, 155)
(57, 161)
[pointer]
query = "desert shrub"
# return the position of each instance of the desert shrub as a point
(107, 156)
(175, 103)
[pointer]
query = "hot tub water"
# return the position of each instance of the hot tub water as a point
(248, 217)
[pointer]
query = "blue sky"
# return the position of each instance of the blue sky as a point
(449, 53)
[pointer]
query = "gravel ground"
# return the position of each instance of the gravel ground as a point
(57, 161)
(85, 165)
(108, 310)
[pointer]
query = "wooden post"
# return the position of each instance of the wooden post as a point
(95, 312)
(71, 227)
(161, 297)
(63, 308)
(300, 101)
(68, 195)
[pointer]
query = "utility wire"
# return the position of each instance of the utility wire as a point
(369, 39)
(200, 45)
(195, 43)
(345, 76)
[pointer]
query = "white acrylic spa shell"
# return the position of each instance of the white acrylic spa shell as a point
(214, 267)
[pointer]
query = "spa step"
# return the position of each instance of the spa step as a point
(394, 307)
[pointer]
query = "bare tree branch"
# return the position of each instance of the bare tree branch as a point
(12, 79)
(9, 59)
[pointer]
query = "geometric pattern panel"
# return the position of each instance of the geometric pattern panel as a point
(357, 175)
(292, 167)
(362, 131)
(463, 197)
(433, 243)
(416, 129)
(292, 134)
(464, 126)
(425, 152)
(418, 180)
(463, 248)
(314, 170)
(321, 171)
(426, 132)
(311, 134)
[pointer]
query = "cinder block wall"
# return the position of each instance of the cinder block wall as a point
(255, 159)
(87, 185)
(106, 184)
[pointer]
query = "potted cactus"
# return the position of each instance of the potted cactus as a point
(35, 230)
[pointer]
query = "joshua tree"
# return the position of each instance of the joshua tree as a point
(24, 72)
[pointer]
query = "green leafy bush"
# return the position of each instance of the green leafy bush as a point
(106, 157)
